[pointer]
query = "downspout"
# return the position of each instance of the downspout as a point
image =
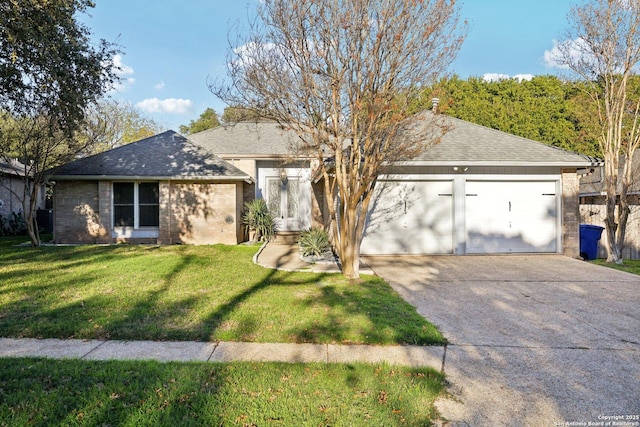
(169, 213)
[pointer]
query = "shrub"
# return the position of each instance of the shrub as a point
(259, 220)
(13, 224)
(314, 242)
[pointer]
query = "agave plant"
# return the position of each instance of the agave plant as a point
(314, 242)
(259, 220)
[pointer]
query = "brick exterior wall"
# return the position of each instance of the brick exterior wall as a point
(190, 213)
(204, 213)
(319, 208)
(76, 217)
(570, 213)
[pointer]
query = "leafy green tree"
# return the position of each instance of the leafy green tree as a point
(50, 73)
(239, 114)
(207, 120)
(545, 108)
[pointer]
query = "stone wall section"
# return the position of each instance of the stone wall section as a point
(570, 213)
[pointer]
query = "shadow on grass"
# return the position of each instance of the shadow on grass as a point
(369, 306)
(180, 293)
(72, 392)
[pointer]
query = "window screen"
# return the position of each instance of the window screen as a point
(149, 204)
(123, 204)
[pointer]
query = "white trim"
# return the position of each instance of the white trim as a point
(136, 231)
(497, 163)
(131, 233)
(124, 178)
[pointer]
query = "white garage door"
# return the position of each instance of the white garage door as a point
(506, 217)
(410, 218)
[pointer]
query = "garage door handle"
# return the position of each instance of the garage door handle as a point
(472, 195)
(445, 194)
(548, 194)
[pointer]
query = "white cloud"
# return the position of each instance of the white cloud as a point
(124, 72)
(246, 53)
(552, 57)
(159, 86)
(169, 105)
(494, 77)
(122, 68)
(523, 77)
(577, 51)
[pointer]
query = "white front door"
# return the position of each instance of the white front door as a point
(283, 199)
(511, 216)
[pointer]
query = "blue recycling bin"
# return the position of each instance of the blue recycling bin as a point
(589, 238)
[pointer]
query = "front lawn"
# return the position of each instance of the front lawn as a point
(629, 265)
(202, 293)
(45, 392)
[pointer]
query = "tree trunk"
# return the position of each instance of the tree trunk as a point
(614, 255)
(348, 248)
(30, 214)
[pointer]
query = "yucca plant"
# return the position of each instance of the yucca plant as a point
(259, 220)
(314, 242)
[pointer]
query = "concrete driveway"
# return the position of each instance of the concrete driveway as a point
(539, 340)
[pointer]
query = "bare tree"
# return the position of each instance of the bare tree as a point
(343, 74)
(109, 124)
(603, 48)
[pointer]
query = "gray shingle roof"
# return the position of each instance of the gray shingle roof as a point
(167, 155)
(248, 139)
(466, 143)
(13, 167)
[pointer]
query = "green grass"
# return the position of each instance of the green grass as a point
(630, 266)
(41, 392)
(202, 293)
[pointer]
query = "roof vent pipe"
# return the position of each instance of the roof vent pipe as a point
(434, 103)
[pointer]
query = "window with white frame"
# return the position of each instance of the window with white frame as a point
(136, 204)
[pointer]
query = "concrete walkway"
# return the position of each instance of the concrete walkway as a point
(190, 351)
(276, 254)
(283, 255)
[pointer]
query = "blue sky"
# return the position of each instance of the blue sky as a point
(171, 47)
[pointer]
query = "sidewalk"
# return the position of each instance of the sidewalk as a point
(191, 351)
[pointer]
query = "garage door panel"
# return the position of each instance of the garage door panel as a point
(505, 217)
(411, 218)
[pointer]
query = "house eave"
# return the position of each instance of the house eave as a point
(245, 178)
(466, 163)
(265, 157)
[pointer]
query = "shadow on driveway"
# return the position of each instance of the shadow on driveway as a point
(534, 340)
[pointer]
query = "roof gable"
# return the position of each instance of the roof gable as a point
(249, 139)
(166, 155)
